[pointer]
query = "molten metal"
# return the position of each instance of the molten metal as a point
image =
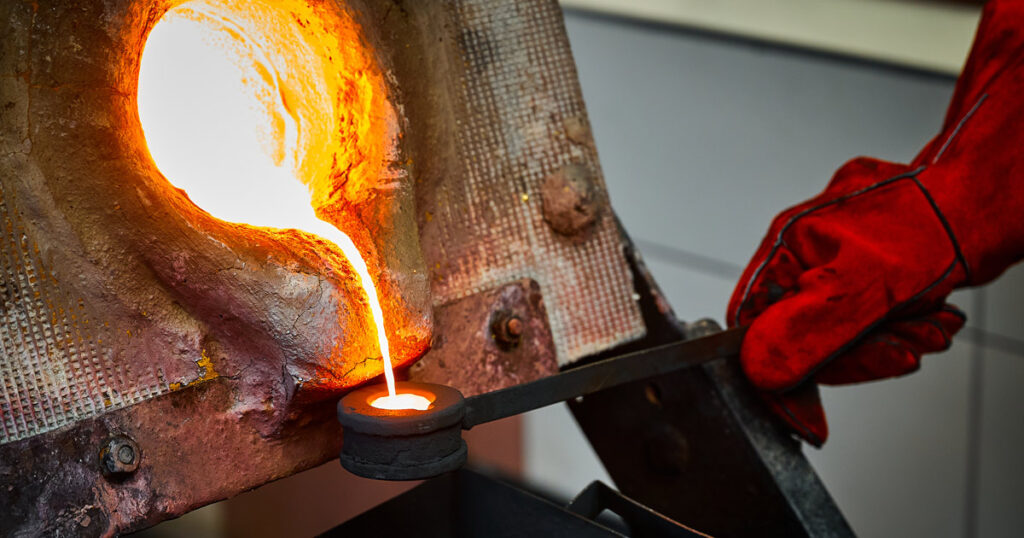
(401, 401)
(223, 125)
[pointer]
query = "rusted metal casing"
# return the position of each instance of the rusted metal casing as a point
(217, 351)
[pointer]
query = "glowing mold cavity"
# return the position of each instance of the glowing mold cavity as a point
(402, 401)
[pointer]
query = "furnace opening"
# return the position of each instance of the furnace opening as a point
(264, 114)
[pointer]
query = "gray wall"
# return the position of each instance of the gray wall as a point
(703, 140)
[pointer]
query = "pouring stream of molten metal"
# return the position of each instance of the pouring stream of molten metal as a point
(392, 400)
(217, 127)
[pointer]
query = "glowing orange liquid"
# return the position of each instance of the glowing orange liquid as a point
(217, 127)
(402, 401)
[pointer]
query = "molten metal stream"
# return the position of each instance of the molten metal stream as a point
(216, 124)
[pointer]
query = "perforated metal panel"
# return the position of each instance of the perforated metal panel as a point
(56, 363)
(517, 98)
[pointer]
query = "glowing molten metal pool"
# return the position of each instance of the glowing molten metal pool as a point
(235, 102)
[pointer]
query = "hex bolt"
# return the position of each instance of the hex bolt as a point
(507, 329)
(119, 457)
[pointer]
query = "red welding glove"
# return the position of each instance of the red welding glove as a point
(851, 285)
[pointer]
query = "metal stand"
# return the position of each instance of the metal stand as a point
(465, 503)
(679, 429)
(699, 446)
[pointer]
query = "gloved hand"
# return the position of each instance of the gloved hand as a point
(851, 285)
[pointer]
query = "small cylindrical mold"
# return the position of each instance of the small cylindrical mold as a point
(402, 444)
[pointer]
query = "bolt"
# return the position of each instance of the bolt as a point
(514, 327)
(126, 455)
(571, 201)
(119, 457)
(507, 329)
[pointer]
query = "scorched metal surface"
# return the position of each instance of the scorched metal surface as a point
(219, 350)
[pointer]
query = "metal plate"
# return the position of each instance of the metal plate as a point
(465, 353)
(520, 118)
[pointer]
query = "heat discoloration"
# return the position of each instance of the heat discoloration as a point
(119, 264)
(120, 291)
(480, 90)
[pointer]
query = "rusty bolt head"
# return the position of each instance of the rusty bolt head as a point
(514, 327)
(119, 457)
(571, 201)
(507, 329)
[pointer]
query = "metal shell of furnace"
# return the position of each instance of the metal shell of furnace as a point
(128, 311)
(402, 444)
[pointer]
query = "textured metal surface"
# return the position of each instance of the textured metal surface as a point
(53, 484)
(516, 101)
(55, 368)
(465, 353)
(520, 118)
(117, 289)
(128, 311)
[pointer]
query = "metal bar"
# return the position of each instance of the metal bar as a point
(642, 520)
(601, 375)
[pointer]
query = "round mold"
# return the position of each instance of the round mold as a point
(402, 444)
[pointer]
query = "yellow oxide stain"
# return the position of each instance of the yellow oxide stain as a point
(206, 373)
(206, 365)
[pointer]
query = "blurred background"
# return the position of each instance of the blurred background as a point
(710, 118)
